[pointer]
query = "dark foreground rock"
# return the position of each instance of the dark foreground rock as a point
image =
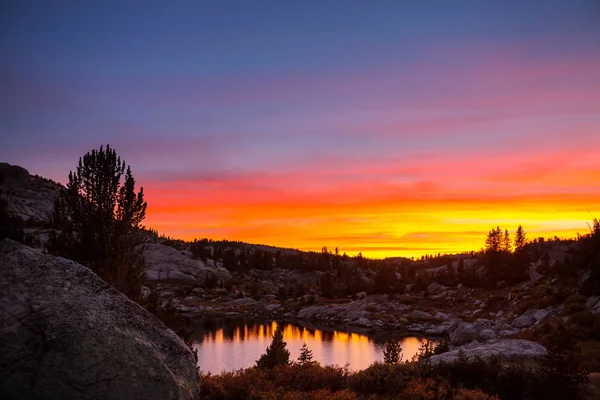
(67, 334)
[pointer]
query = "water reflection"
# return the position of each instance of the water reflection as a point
(229, 345)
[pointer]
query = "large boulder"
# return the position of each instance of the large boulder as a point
(506, 349)
(167, 264)
(464, 333)
(434, 288)
(526, 320)
(67, 334)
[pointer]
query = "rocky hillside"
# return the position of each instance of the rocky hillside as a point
(29, 197)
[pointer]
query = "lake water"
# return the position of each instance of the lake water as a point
(228, 346)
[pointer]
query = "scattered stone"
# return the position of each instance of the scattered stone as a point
(273, 307)
(244, 301)
(592, 302)
(524, 321)
(419, 315)
(434, 288)
(540, 315)
(487, 335)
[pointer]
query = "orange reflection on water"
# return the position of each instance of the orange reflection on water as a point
(234, 347)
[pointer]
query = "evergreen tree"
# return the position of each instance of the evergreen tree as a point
(392, 353)
(99, 215)
(506, 242)
(520, 239)
(494, 255)
(276, 353)
(493, 242)
(305, 357)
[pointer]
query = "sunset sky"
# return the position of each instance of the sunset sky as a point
(395, 128)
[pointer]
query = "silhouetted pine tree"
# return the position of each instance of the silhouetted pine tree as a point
(276, 354)
(306, 356)
(98, 216)
(520, 239)
(506, 242)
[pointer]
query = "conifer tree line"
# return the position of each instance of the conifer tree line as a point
(499, 241)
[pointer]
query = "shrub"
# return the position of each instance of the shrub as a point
(573, 308)
(470, 394)
(575, 298)
(426, 389)
(380, 378)
(582, 318)
(310, 377)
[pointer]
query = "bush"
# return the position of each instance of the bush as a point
(583, 318)
(575, 298)
(573, 308)
(426, 389)
(381, 379)
(468, 394)
(310, 377)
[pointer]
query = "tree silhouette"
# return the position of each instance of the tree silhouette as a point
(493, 242)
(306, 356)
(506, 242)
(276, 353)
(520, 239)
(99, 216)
(392, 353)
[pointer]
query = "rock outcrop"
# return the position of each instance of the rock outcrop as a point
(67, 334)
(167, 264)
(29, 197)
(507, 349)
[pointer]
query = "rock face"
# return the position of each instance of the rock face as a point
(168, 264)
(67, 334)
(29, 197)
(508, 349)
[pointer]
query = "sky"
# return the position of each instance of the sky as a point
(391, 128)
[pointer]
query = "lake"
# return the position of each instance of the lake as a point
(226, 346)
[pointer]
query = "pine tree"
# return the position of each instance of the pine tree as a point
(506, 242)
(305, 357)
(493, 241)
(276, 353)
(520, 239)
(99, 215)
(392, 353)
